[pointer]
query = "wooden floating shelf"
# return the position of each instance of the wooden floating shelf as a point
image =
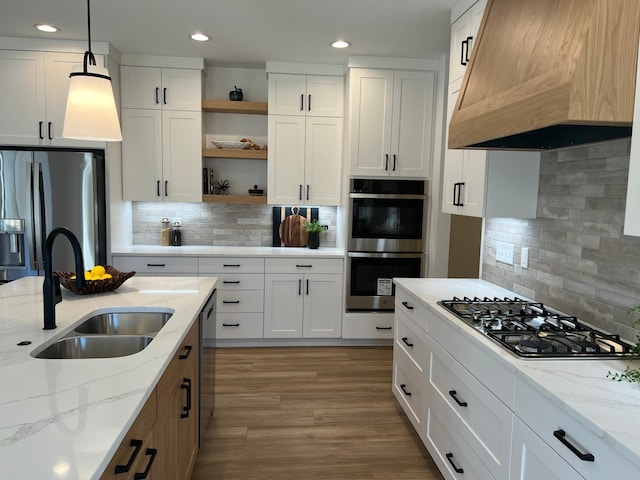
(239, 199)
(227, 106)
(234, 153)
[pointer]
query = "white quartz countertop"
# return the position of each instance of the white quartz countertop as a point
(203, 250)
(579, 387)
(64, 419)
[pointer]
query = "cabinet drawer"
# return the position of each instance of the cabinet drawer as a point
(246, 281)
(607, 463)
(218, 265)
(484, 421)
(157, 265)
(239, 325)
(450, 451)
(375, 326)
(240, 301)
(493, 373)
(411, 339)
(412, 307)
(303, 265)
(408, 388)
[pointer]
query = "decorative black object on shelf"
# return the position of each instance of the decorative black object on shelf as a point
(222, 188)
(236, 95)
(255, 190)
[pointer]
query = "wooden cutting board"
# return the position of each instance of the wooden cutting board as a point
(292, 231)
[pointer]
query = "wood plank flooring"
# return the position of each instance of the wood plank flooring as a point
(309, 413)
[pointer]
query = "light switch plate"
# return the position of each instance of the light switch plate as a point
(524, 257)
(504, 252)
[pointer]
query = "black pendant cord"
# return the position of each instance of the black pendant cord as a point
(89, 58)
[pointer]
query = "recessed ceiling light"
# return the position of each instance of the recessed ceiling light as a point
(340, 44)
(43, 27)
(199, 37)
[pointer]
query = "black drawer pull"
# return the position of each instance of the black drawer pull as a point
(455, 467)
(156, 265)
(404, 390)
(151, 452)
(188, 349)
(136, 445)
(383, 328)
(585, 457)
(229, 282)
(230, 324)
(407, 306)
(303, 266)
(454, 395)
(225, 265)
(230, 301)
(186, 386)
(406, 342)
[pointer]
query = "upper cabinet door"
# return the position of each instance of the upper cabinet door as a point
(463, 35)
(140, 87)
(323, 160)
(22, 101)
(287, 94)
(325, 96)
(161, 88)
(181, 89)
(315, 95)
(285, 172)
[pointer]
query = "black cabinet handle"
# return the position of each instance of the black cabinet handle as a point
(455, 467)
(158, 188)
(462, 53)
(407, 306)
(186, 386)
(151, 453)
(166, 188)
(231, 301)
(394, 162)
(225, 265)
(383, 328)
(49, 130)
(230, 282)
(460, 204)
(187, 349)
(157, 92)
(136, 445)
(300, 193)
(386, 162)
(299, 286)
(455, 190)
(307, 192)
(307, 287)
(164, 95)
(230, 324)
(406, 342)
(404, 390)
(303, 266)
(40, 131)
(302, 102)
(562, 436)
(469, 47)
(156, 265)
(309, 103)
(454, 395)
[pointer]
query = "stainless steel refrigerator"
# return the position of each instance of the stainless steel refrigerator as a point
(44, 189)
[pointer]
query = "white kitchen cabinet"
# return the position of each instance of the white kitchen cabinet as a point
(162, 155)
(304, 160)
(306, 95)
(159, 265)
(392, 120)
(463, 34)
(161, 88)
(34, 98)
(303, 298)
(632, 206)
(495, 183)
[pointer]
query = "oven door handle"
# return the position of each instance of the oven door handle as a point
(384, 255)
(388, 196)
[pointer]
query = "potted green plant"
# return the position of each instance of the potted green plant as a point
(313, 228)
(631, 374)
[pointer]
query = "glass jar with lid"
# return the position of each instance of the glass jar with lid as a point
(165, 233)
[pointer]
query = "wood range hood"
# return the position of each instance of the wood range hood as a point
(548, 74)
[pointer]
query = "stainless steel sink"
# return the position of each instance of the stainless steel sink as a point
(124, 323)
(95, 347)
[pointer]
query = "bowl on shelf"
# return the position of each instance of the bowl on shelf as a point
(95, 286)
(231, 145)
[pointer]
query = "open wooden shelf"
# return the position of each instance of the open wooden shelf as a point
(234, 153)
(240, 199)
(227, 106)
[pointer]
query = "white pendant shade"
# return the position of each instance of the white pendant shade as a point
(91, 108)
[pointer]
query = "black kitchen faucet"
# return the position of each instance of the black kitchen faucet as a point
(51, 285)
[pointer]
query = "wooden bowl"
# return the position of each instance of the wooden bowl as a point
(95, 286)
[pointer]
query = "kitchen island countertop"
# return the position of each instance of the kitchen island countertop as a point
(204, 250)
(579, 387)
(64, 419)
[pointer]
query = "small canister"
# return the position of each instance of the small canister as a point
(176, 234)
(165, 233)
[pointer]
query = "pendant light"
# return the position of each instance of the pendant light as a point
(91, 108)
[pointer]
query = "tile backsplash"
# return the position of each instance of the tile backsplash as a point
(217, 224)
(579, 260)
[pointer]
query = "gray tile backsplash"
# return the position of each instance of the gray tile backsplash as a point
(217, 224)
(579, 260)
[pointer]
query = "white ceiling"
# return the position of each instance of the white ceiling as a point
(244, 32)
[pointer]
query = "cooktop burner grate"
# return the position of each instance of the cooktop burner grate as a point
(529, 329)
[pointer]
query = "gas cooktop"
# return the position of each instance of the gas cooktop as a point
(529, 329)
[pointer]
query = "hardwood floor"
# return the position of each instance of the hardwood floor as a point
(309, 413)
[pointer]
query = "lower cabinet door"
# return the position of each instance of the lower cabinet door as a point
(533, 459)
(283, 306)
(322, 317)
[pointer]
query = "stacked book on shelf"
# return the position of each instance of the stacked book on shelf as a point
(208, 181)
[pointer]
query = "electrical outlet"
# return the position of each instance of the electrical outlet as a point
(504, 252)
(524, 257)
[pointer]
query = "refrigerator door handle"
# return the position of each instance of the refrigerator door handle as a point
(39, 218)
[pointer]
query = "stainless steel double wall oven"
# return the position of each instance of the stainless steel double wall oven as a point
(387, 221)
